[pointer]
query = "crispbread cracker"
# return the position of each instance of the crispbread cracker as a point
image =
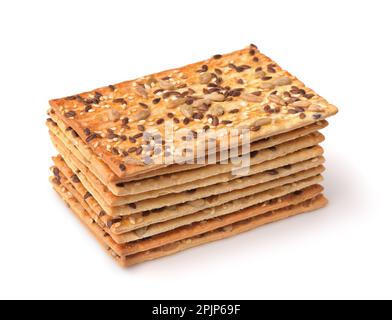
(248, 82)
(221, 210)
(141, 220)
(211, 224)
(131, 209)
(188, 230)
(169, 182)
(110, 200)
(157, 246)
(287, 185)
(259, 173)
(228, 231)
(120, 211)
(136, 221)
(84, 154)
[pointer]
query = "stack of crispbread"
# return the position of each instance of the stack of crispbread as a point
(131, 166)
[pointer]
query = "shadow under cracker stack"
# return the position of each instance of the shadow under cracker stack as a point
(187, 156)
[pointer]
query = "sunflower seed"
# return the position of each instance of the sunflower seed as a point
(186, 110)
(282, 81)
(141, 91)
(261, 122)
(301, 104)
(113, 115)
(215, 96)
(276, 99)
(266, 85)
(205, 78)
(316, 108)
(200, 102)
(260, 74)
(251, 97)
(175, 103)
(217, 110)
(141, 115)
(166, 84)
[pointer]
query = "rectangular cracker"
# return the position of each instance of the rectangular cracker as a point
(170, 181)
(136, 221)
(183, 208)
(114, 195)
(84, 154)
(222, 233)
(282, 104)
(261, 173)
(219, 210)
(173, 219)
(188, 230)
(132, 208)
(156, 246)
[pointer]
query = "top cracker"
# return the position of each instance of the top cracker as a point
(243, 89)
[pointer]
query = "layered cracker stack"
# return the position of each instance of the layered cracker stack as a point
(136, 187)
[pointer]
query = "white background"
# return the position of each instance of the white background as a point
(342, 49)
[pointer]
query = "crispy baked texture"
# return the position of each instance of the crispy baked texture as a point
(169, 183)
(225, 232)
(299, 150)
(286, 165)
(199, 233)
(126, 224)
(243, 89)
(128, 248)
(155, 222)
(84, 154)
(135, 210)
